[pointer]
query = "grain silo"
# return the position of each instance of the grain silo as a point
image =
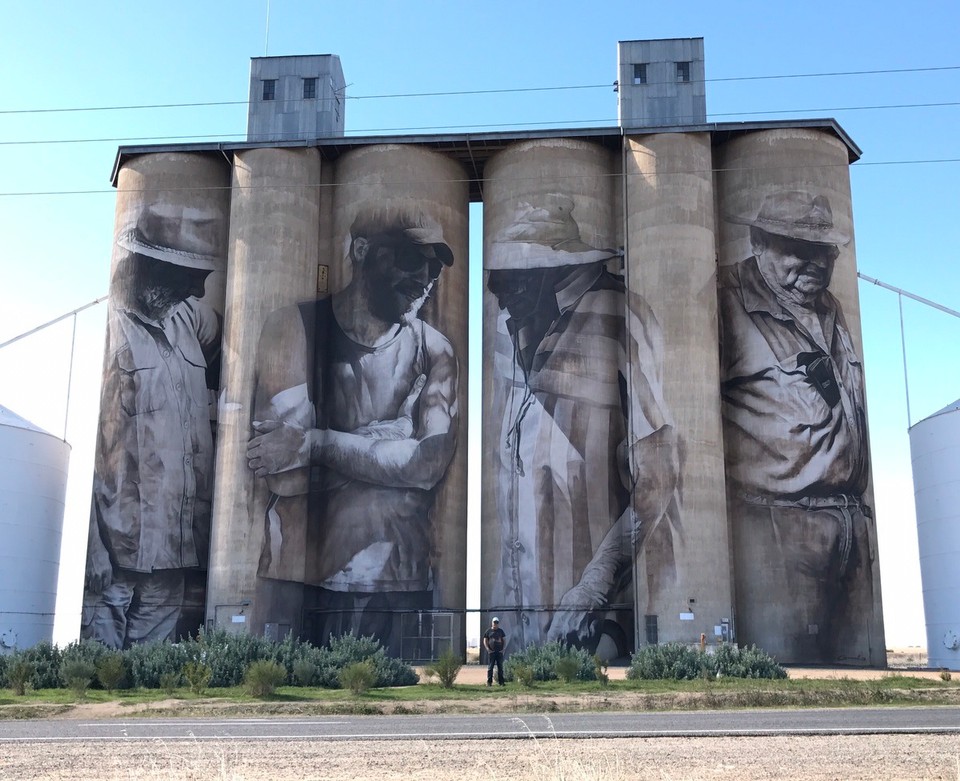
(935, 452)
(33, 482)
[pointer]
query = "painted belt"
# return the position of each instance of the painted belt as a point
(838, 501)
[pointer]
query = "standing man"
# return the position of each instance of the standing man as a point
(589, 458)
(795, 440)
(494, 641)
(150, 515)
(358, 387)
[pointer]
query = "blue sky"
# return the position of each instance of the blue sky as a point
(57, 244)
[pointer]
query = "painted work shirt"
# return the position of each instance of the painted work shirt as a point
(786, 434)
(324, 527)
(573, 404)
(154, 464)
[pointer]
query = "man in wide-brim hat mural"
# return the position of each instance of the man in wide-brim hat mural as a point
(150, 516)
(587, 455)
(795, 439)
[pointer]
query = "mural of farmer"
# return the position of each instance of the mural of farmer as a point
(150, 515)
(795, 439)
(354, 425)
(588, 457)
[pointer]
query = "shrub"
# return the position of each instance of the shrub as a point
(674, 661)
(945, 675)
(148, 663)
(357, 677)
(46, 660)
(170, 682)
(348, 649)
(600, 671)
(446, 668)
(198, 676)
(110, 670)
(304, 672)
(733, 662)
(523, 674)
(566, 668)
(20, 672)
(263, 677)
(78, 675)
(228, 655)
(543, 660)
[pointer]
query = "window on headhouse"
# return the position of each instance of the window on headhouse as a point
(309, 89)
(640, 73)
(683, 72)
(269, 89)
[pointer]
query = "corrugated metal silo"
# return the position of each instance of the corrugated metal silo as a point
(935, 452)
(33, 482)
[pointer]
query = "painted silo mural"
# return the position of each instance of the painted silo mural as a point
(575, 402)
(355, 423)
(794, 410)
(153, 475)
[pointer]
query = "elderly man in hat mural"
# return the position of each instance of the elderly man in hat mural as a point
(588, 454)
(150, 515)
(364, 391)
(796, 440)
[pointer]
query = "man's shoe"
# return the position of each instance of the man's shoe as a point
(489, 683)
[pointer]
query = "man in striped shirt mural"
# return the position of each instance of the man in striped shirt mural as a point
(587, 454)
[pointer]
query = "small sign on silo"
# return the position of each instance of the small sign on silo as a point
(935, 452)
(33, 483)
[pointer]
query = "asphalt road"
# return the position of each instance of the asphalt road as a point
(834, 721)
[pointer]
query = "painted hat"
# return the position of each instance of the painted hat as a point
(543, 237)
(181, 235)
(796, 215)
(403, 224)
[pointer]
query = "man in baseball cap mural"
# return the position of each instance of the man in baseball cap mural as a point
(150, 515)
(588, 464)
(360, 388)
(795, 439)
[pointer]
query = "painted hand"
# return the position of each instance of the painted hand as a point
(99, 573)
(278, 447)
(571, 621)
(402, 426)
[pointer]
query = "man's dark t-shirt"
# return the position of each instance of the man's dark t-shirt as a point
(495, 638)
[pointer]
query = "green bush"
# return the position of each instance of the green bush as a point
(198, 676)
(78, 675)
(20, 672)
(543, 660)
(263, 677)
(446, 668)
(148, 663)
(600, 671)
(170, 682)
(358, 677)
(304, 672)
(110, 670)
(348, 649)
(733, 662)
(523, 674)
(46, 659)
(566, 668)
(675, 661)
(229, 655)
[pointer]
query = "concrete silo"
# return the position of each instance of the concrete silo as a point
(935, 451)
(799, 499)
(671, 264)
(33, 483)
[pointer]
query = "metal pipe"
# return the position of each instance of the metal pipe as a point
(900, 292)
(73, 344)
(73, 312)
(903, 347)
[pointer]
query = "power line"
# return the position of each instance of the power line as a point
(553, 123)
(498, 91)
(400, 183)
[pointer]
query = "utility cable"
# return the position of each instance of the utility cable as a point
(500, 91)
